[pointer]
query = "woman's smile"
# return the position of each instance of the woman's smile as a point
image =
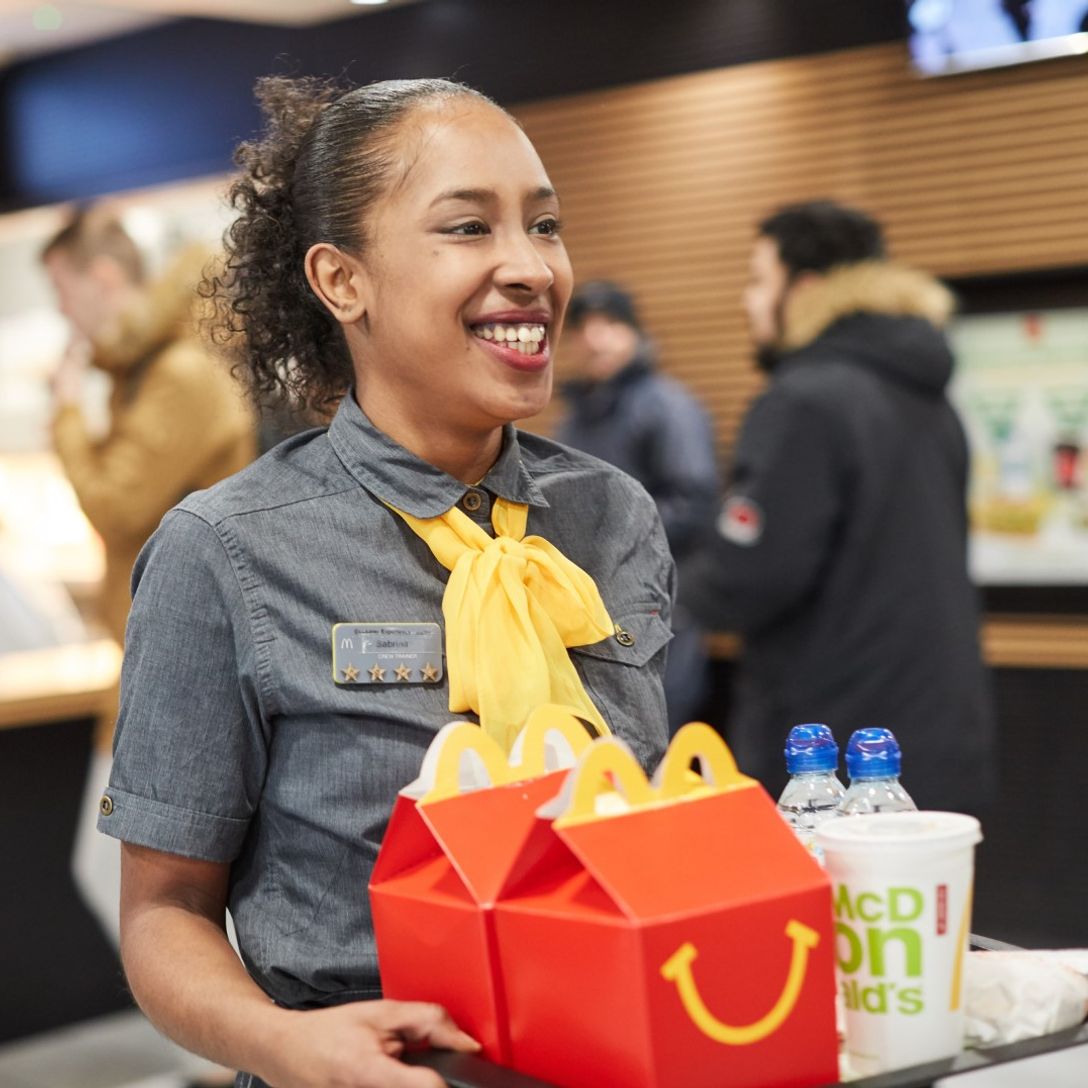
(518, 339)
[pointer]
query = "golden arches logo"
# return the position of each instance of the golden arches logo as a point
(677, 969)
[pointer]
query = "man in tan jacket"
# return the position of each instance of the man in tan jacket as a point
(178, 422)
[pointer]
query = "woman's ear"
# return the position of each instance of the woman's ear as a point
(338, 280)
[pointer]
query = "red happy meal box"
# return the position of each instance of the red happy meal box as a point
(679, 938)
(452, 837)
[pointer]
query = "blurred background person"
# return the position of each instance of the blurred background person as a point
(840, 549)
(623, 411)
(178, 423)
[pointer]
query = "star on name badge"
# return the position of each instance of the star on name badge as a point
(386, 654)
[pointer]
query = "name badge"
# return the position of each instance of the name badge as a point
(386, 653)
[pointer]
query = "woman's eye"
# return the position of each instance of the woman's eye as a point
(472, 229)
(548, 226)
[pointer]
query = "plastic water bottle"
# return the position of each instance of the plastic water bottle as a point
(813, 793)
(873, 762)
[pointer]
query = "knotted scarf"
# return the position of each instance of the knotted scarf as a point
(512, 606)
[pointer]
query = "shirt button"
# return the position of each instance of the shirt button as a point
(472, 501)
(623, 637)
(105, 806)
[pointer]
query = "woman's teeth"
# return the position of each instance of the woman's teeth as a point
(524, 338)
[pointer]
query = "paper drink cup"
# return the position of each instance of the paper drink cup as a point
(901, 892)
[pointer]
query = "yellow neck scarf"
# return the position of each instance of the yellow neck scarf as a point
(512, 606)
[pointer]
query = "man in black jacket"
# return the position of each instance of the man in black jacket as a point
(840, 550)
(626, 413)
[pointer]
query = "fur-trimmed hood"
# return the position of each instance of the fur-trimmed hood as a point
(165, 311)
(876, 287)
(886, 315)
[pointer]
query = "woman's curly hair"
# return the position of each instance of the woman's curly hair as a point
(324, 158)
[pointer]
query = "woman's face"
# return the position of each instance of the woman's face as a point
(466, 276)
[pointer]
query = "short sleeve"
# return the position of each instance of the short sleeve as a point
(190, 749)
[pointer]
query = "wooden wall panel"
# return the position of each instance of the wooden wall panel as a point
(662, 182)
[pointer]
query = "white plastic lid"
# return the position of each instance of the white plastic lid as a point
(922, 831)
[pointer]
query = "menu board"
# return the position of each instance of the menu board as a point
(1021, 387)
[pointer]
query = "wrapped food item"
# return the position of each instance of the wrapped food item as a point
(1019, 995)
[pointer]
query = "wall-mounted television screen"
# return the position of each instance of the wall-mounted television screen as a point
(948, 36)
(1021, 388)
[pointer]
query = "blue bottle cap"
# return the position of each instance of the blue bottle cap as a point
(811, 748)
(873, 753)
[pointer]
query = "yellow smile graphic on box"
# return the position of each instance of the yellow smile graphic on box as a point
(677, 969)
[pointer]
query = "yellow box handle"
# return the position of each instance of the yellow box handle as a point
(675, 777)
(455, 744)
(456, 740)
(529, 755)
(610, 765)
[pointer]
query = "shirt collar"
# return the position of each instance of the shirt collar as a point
(391, 473)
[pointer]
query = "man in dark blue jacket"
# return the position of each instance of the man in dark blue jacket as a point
(840, 547)
(626, 413)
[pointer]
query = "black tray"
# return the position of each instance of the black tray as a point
(464, 1071)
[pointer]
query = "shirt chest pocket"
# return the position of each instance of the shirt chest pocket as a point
(640, 634)
(622, 675)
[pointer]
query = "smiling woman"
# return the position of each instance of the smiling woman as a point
(397, 255)
(370, 266)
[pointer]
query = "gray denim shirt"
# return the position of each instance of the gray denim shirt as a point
(234, 744)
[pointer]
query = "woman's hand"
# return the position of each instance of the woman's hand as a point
(357, 1046)
(193, 987)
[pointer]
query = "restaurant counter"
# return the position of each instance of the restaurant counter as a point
(58, 683)
(1009, 641)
